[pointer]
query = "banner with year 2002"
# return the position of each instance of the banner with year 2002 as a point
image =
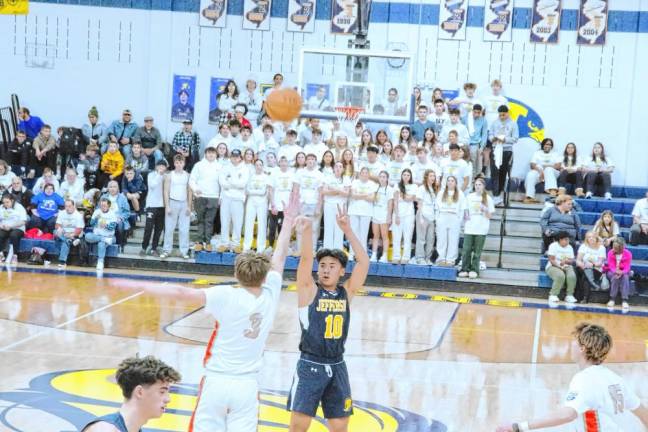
(545, 23)
(592, 22)
(498, 21)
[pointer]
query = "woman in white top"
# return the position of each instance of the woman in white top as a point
(425, 218)
(300, 161)
(248, 159)
(6, 176)
(222, 154)
(598, 169)
(560, 268)
(403, 226)
(335, 192)
(348, 164)
(589, 264)
(386, 154)
(177, 202)
(327, 164)
(366, 141)
(13, 218)
(436, 155)
(382, 214)
(451, 206)
(259, 194)
(464, 154)
(361, 206)
(480, 209)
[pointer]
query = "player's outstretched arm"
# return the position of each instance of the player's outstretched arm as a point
(177, 292)
(291, 210)
(642, 413)
(359, 274)
(561, 416)
(305, 283)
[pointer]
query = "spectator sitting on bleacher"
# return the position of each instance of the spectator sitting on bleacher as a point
(48, 177)
(20, 193)
(12, 227)
(6, 175)
(32, 125)
(138, 160)
(88, 166)
(122, 132)
(93, 130)
(119, 205)
(134, 188)
(18, 155)
(69, 228)
(150, 140)
(639, 230)
(606, 228)
(44, 146)
(544, 168)
(559, 218)
(46, 208)
(112, 164)
(104, 224)
(589, 264)
(560, 267)
(72, 187)
(570, 171)
(598, 169)
(617, 267)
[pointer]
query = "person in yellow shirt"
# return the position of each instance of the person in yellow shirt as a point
(112, 164)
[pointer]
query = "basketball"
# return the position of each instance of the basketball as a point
(283, 105)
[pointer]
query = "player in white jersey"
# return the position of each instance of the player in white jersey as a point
(228, 397)
(598, 399)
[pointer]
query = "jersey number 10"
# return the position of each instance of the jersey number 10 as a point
(334, 324)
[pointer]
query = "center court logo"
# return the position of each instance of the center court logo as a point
(77, 397)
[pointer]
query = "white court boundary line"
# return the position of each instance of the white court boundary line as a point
(536, 337)
(66, 323)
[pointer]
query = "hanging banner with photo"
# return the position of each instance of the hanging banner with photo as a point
(256, 14)
(592, 22)
(452, 19)
(545, 23)
(498, 21)
(344, 16)
(213, 13)
(14, 7)
(301, 16)
(216, 86)
(184, 98)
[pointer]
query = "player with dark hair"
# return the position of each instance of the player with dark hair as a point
(145, 383)
(324, 315)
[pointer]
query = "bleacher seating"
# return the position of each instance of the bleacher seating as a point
(52, 248)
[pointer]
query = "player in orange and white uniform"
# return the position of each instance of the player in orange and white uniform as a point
(598, 399)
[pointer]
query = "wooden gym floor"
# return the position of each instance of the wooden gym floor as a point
(417, 361)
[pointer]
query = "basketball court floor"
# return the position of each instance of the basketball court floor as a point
(417, 362)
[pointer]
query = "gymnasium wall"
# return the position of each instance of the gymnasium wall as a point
(119, 54)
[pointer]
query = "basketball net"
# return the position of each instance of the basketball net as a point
(348, 116)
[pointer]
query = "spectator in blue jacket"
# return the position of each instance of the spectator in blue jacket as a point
(32, 125)
(46, 205)
(124, 131)
(119, 205)
(94, 130)
(478, 130)
(134, 188)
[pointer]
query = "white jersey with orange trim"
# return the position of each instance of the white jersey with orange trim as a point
(243, 322)
(602, 400)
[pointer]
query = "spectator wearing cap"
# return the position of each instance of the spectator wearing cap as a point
(182, 110)
(233, 181)
(240, 111)
(421, 123)
(203, 182)
(151, 140)
(478, 130)
(186, 142)
(154, 209)
(32, 125)
(503, 134)
(124, 131)
(252, 98)
(94, 130)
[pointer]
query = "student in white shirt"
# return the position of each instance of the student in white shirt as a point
(456, 167)
(589, 264)
(451, 206)
(259, 194)
(309, 182)
(13, 219)
(222, 154)
(373, 164)
(422, 165)
(383, 208)
(492, 102)
(425, 218)
(246, 142)
(206, 191)
(596, 396)
(349, 164)
(396, 166)
(233, 180)
(300, 161)
(386, 153)
(290, 148)
(223, 136)
(560, 267)
(598, 169)
(439, 117)
(480, 209)
(366, 141)
(248, 160)
(336, 190)
(178, 203)
(154, 209)
(282, 184)
(316, 146)
(545, 166)
(403, 226)
(361, 207)
(266, 143)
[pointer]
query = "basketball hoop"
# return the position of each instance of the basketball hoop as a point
(349, 114)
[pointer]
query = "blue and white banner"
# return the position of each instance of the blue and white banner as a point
(592, 22)
(183, 99)
(498, 21)
(256, 14)
(452, 19)
(545, 23)
(344, 16)
(213, 13)
(301, 16)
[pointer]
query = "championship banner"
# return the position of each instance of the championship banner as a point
(14, 7)
(256, 14)
(212, 13)
(545, 23)
(183, 98)
(344, 16)
(498, 21)
(592, 22)
(301, 16)
(452, 19)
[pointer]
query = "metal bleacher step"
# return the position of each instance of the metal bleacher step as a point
(512, 261)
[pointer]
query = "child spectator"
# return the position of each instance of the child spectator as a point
(560, 268)
(451, 208)
(425, 218)
(12, 227)
(47, 178)
(72, 187)
(178, 203)
(589, 264)
(112, 164)
(480, 209)
(69, 228)
(617, 268)
(154, 209)
(403, 226)
(46, 208)
(138, 160)
(134, 188)
(88, 166)
(606, 228)
(104, 223)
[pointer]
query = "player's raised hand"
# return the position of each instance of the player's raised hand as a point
(342, 218)
(291, 210)
(303, 223)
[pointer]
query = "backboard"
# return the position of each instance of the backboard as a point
(378, 81)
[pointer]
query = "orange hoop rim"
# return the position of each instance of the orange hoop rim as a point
(350, 112)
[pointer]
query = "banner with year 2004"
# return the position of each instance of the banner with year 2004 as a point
(452, 19)
(498, 21)
(545, 23)
(592, 22)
